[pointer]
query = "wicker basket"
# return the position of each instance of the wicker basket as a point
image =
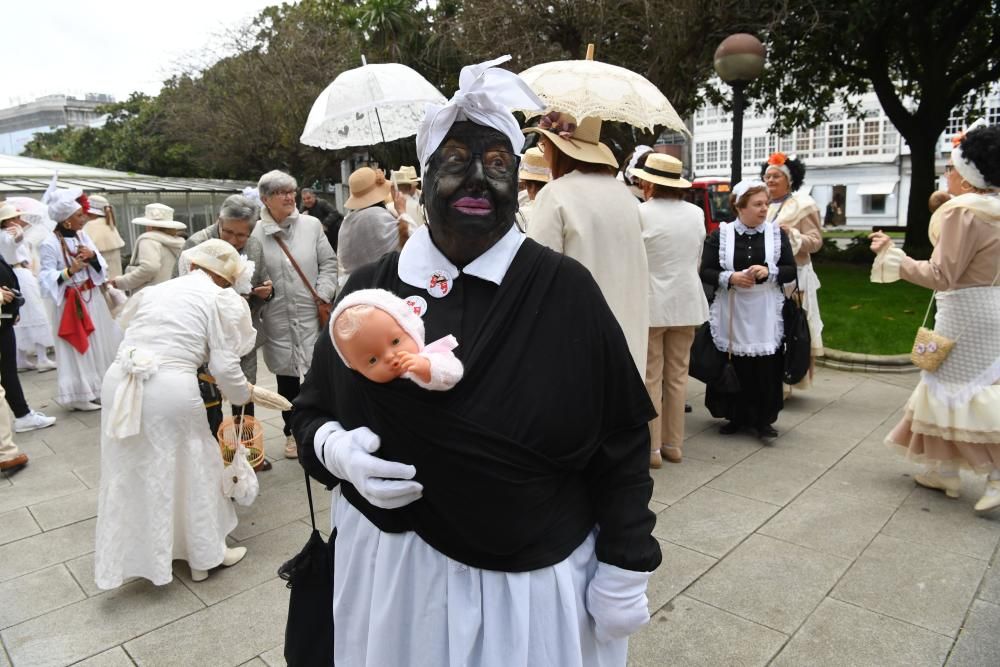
(249, 431)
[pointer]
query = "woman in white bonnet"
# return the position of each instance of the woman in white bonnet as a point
(71, 270)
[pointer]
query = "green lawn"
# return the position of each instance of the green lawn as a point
(861, 316)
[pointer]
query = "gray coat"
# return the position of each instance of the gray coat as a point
(289, 321)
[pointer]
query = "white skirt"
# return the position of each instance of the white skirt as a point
(397, 601)
(161, 490)
(80, 375)
(34, 328)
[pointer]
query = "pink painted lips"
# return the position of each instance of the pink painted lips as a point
(473, 206)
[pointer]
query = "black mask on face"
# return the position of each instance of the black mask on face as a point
(472, 207)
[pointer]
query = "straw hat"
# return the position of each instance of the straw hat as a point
(159, 215)
(534, 167)
(96, 205)
(662, 169)
(405, 176)
(8, 211)
(581, 141)
(368, 187)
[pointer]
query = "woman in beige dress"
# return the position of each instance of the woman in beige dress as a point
(952, 419)
(156, 250)
(673, 232)
(103, 232)
(798, 216)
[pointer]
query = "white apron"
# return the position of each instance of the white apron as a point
(748, 320)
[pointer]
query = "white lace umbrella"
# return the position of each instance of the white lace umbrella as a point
(589, 88)
(369, 105)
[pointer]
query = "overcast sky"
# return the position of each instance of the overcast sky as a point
(105, 46)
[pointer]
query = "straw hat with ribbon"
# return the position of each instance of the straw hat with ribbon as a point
(581, 141)
(368, 186)
(534, 167)
(159, 215)
(406, 175)
(662, 169)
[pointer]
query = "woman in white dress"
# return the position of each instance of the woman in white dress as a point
(71, 271)
(161, 492)
(34, 331)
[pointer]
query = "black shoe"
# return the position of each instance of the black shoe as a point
(687, 407)
(767, 432)
(729, 428)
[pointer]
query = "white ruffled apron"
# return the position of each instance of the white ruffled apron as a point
(970, 317)
(753, 314)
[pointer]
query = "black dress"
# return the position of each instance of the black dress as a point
(760, 398)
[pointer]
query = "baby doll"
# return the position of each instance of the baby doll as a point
(937, 198)
(380, 336)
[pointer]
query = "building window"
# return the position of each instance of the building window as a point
(993, 115)
(699, 155)
(759, 149)
(712, 155)
(747, 152)
(871, 137)
(873, 204)
(956, 123)
(724, 157)
(787, 144)
(819, 141)
(836, 143)
(853, 138)
(890, 138)
(802, 141)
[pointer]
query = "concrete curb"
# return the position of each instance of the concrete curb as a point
(866, 363)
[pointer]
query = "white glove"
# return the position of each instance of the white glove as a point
(268, 399)
(348, 455)
(616, 600)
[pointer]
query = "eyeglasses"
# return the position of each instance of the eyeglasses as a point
(497, 163)
(948, 168)
(284, 193)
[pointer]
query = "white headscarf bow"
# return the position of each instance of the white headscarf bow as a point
(965, 168)
(63, 203)
(485, 96)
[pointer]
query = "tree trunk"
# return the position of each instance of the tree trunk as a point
(923, 151)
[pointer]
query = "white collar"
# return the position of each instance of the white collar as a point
(420, 260)
(743, 229)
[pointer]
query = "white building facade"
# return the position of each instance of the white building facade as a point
(863, 163)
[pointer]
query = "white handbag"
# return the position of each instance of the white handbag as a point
(239, 481)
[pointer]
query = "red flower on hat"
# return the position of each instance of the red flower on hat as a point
(777, 159)
(84, 202)
(957, 139)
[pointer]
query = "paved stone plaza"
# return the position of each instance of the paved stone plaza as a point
(816, 550)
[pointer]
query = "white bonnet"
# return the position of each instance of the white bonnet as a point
(63, 203)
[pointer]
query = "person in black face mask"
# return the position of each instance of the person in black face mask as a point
(510, 471)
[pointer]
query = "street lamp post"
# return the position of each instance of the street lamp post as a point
(738, 61)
